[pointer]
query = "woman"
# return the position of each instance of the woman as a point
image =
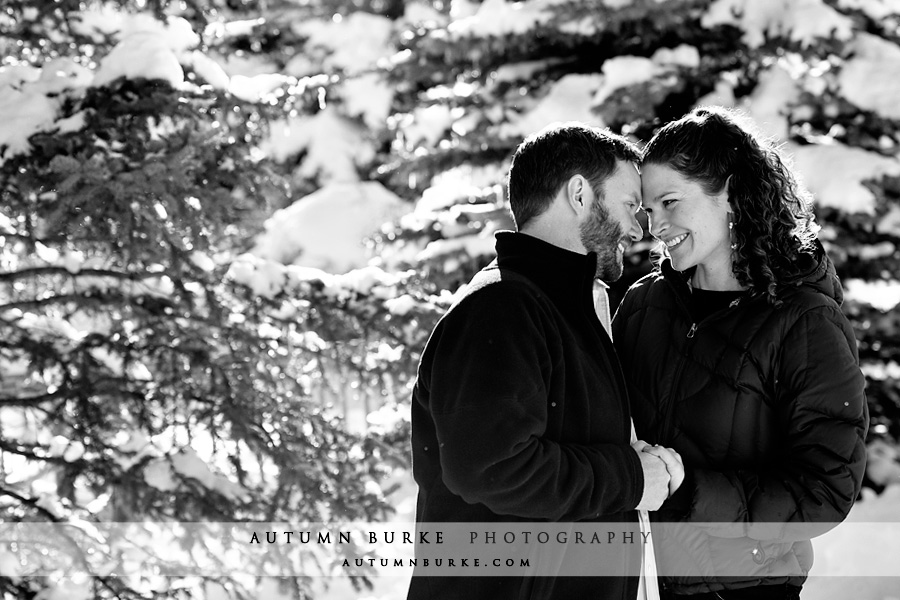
(740, 360)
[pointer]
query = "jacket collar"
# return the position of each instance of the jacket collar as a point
(566, 277)
(814, 270)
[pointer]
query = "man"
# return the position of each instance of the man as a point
(520, 412)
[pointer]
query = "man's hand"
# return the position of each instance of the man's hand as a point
(674, 464)
(656, 478)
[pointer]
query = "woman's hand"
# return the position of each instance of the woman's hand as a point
(674, 464)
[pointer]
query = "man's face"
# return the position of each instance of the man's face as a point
(611, 225)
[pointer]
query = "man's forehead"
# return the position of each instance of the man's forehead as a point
(631, 172)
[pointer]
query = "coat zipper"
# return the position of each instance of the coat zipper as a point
(665, 432)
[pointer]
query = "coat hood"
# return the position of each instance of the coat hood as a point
(814, 271)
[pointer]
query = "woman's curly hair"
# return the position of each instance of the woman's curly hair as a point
(774, 222)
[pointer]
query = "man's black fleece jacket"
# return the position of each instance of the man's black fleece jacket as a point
(520, 411)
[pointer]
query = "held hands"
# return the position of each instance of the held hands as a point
(663, 473)
(656, 478)
(674, 464)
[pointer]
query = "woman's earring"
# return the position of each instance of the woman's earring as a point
(731, 230)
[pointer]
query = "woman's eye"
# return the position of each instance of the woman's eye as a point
(668, 203)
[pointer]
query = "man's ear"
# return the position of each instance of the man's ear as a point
(575, 192)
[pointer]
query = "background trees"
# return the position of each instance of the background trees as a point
(227, 227)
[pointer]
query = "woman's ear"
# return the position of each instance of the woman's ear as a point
(724, 197)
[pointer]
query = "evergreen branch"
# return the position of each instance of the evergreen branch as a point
(31, 400)
(32, 503)
(12, 276)
(16, 449)
(39, 302)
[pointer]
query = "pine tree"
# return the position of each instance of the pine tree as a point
(138, 381)
(143, 326)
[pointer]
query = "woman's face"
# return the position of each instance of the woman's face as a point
(692, 224)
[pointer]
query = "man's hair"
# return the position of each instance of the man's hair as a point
(773, 217)
(546, 160)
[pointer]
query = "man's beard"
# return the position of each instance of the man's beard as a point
(602, 235)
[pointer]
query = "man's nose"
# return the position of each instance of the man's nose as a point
(636, 232)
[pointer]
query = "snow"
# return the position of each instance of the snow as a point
(889, 223)
(158, 474)
(401, 305)
(568, 99)
(257, 87)
(427, 124)
(680, 56)
(446, 190)
(623, 71)
(496, 18)
(519, 71)
(875, 251)
(98, 21)
(834, 172)
(881, 371)
(232, 29)
(856, 547)
(245, 64)
(722, 94)
(327, 229)
(202, 261)
(148, 49)
(25, 112)
(472, 245)
(351, 44)
(74, 451)
(770, 103)
(883, 295)
(208, 69)
(368, 96)
(188, 464)
(135, 440)
(71, 124)
(73, 587)
(69, 450)
(367, 280)
(800, 20)
(268, 278)
(9, 565)
(876, 9)
(871, 79)
(333, 144)
(423, 13)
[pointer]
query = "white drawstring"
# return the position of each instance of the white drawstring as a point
(648, 585)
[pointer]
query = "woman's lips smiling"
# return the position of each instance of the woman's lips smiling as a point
(676, 241)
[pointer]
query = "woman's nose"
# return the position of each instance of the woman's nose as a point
(657, 225)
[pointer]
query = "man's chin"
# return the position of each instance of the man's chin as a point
(609, 274)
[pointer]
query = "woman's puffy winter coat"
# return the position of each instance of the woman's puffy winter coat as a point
(766, 406)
